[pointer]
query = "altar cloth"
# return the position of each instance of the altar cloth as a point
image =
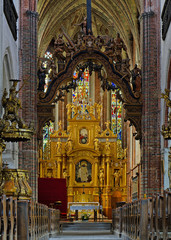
(83, 206)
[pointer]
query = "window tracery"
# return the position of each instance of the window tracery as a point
(116, 114)
(81, 93)
(48, 129)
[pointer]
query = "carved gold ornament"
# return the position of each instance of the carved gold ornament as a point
(166, 129)
(13, 182)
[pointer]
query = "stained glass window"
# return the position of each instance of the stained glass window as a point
(47, 55)
(81, 94)
(116, 115)
(47, 130)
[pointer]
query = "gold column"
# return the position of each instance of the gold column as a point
(103, 166)
(64, 162)
(108, 170)
(95, 194)
(69, 100)
(107, 196)
(96, 172)
(56, 116)
(59, 167)
(41, 169)
(124, 174)
(109, 106)
(70, 182)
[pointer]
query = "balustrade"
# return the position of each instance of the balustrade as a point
(27, 220)
(8, 218)
(144, 219)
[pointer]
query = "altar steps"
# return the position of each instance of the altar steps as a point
(86, 226)
(86, 237)
(86, 231)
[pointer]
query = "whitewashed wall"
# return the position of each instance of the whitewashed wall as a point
(165, 61)
(9, 69)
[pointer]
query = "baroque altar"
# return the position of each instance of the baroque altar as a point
(92, 160)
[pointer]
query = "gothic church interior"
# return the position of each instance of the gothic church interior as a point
(94, 91)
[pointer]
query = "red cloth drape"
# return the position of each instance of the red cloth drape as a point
(51, 190)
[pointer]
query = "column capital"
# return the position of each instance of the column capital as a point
(32, 13)
(146, 14)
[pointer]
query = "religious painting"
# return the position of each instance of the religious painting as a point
(83, 136)
(83, 171)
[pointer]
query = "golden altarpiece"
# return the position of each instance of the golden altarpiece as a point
(91, 160)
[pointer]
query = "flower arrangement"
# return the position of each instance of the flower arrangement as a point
(85, 216)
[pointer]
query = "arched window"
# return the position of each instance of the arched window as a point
(116, 114)
(81, 93)
(48, 129)
(49, 57)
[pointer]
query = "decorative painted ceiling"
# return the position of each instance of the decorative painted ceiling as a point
(108, 18)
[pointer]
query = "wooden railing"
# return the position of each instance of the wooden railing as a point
(27, 220)
(8, 218)
(144, 219)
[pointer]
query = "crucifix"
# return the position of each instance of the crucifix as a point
(89, 16)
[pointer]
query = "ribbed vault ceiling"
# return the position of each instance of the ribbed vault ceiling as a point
(108, 18)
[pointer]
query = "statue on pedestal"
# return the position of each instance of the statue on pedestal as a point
(119, 43)
(83, 25)
(96, 144)
(117, 178)
(11, 107)
(69, 110)
(136, 79)
(59, 146)
(59, 47)
(101, 177)
(99, 109)
(107, 146)
(69, 145)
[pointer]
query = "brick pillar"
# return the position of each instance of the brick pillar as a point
(28, 72)
(151, 132)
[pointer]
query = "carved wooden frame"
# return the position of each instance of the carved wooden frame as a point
(132, 100)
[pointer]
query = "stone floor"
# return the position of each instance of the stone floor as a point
(86, 231)
(95, 236)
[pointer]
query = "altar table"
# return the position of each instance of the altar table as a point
(72, 206)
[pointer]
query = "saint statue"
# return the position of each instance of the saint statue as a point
(119, 45)
(59, 146)
(101, 177)
(96, 144)
(99, 109)
(117, 178)
(59, 46)
(107, 146)
(11, 107)
(41, 73)
(69, 110)
(83, 25)
(69, 145)
(136, 78)
(65, 175)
